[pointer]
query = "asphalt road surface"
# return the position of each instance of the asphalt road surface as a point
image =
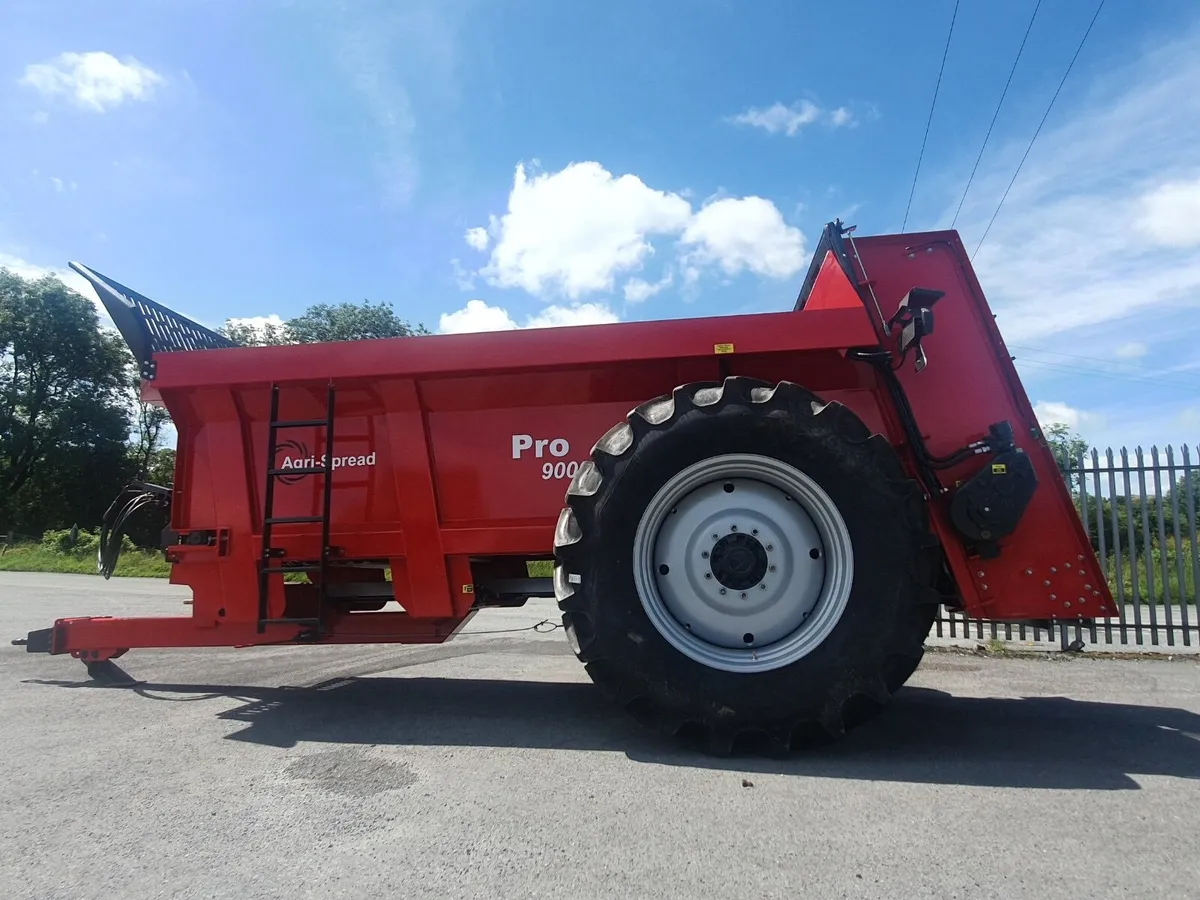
(490, 768)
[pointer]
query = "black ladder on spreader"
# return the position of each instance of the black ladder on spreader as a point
(265, 569)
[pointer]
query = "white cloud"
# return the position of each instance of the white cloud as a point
(94, 81)
(476, 316)
(577, 231)
(464, 278)
(59, 184)
(778, 118)
(1052, 412)
(841, 117)
(745, 234)
(1171, 214)
(479, 316)
(1132, 350)
(477, 239)
(579, 314)
(638, 290)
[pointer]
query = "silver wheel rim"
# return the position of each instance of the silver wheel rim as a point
(743, 563)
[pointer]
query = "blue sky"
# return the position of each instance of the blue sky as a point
(515, 163)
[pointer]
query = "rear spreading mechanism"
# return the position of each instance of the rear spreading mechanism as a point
(751, 519)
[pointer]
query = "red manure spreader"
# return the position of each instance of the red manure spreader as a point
(752, 519)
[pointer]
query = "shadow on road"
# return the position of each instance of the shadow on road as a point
(925, 737)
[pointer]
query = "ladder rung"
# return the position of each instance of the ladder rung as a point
(311, 470)
(292, 520)
(299, 423)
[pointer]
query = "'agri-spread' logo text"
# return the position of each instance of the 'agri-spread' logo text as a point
(295, 455)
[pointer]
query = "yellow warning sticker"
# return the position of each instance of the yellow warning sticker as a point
(999, 469)
(722, 348)
(468, 588)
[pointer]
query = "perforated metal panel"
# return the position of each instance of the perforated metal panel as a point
(149, 327)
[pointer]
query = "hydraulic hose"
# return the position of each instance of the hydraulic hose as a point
(928, 463)
(112, 527)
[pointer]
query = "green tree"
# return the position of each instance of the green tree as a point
(268, 334)
(150, 425)
(64, 401)
(324, 322)
(1066, 444)
(1068, 449)
(350, 322)
(77, 478)
(145, 529)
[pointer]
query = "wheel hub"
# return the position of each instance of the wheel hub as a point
(743, 563)
(738, 561)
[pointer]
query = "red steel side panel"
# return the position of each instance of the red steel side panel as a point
(434, 464)
(1046, 568)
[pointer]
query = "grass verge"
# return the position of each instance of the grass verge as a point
(132, 564)
(38, 558)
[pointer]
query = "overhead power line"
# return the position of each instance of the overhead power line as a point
(1102, 373)
(932, 106)
(996, 114)
(1046, 115)
(1107, 361)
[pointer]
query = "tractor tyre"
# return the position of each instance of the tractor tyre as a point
(744, 566)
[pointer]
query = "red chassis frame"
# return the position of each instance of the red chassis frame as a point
(453, 452)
